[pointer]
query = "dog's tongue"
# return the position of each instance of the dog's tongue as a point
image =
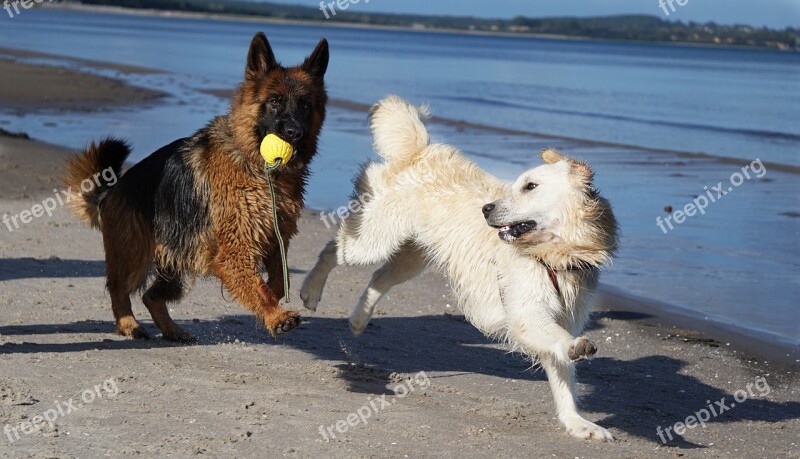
(504, 229)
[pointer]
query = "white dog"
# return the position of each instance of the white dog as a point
(529, 287)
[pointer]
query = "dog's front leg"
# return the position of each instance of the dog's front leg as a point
(536, 329)
(562, 383)
(536, 322)
(536, 317)
(239, 273)
(274, 266)
(557, 350)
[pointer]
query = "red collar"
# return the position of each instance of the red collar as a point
(551, 272)
(553, 278)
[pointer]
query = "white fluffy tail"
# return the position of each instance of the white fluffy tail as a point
(398, 129)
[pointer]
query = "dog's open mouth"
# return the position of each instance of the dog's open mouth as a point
(509, 233)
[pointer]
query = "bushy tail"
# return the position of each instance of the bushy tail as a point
(92, 173)
(398, 129)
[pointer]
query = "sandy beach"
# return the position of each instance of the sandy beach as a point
(239, 392)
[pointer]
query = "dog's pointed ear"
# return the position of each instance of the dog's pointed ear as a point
(260, 58)
(551, 156)
(579, 168)
(317, 63)
(582, 170)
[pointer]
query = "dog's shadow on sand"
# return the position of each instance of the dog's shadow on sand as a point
(636, 396)
(53, 268)
(639, 395)
(26, 268)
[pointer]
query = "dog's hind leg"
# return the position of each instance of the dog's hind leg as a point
(128, 256)
(562, 383)
(404, 266)
(314, 284)
(374, 234)
(167, 287)
(123, 313)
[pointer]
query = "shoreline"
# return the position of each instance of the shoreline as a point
(124, 68)
(460, 124)
(745, 340)
(35, 87)
(332, 23)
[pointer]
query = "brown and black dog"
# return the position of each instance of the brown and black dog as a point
(201, 205)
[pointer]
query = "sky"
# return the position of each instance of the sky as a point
(772, 13)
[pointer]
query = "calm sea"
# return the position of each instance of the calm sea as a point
(739, 263)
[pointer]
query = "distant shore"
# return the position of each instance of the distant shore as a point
(355, 25)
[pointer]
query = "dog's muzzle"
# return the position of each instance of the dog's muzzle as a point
(507, 232)
(510, 233)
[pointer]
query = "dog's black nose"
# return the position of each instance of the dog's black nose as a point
(292, 132)
(487, 209)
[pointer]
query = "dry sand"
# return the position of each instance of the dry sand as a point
(238, 392)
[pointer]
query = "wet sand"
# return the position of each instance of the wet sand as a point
(238, 392)
(28, 87)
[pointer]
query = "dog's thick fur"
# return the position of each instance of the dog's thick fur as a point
(201, 205)
(423, 205)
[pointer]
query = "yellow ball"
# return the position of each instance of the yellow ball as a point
(274, 148)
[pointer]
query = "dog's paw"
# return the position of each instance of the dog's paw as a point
(581, 428)
(581, 349)
(130, 328)
(310, 296)
(283, 323)
(178, 335)
(357, 325)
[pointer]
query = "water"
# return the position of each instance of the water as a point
(737, 264)
(720, 101)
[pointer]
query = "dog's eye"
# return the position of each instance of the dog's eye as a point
(275, 103)
(530, 186)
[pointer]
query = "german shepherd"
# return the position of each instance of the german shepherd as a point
(201, 205)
